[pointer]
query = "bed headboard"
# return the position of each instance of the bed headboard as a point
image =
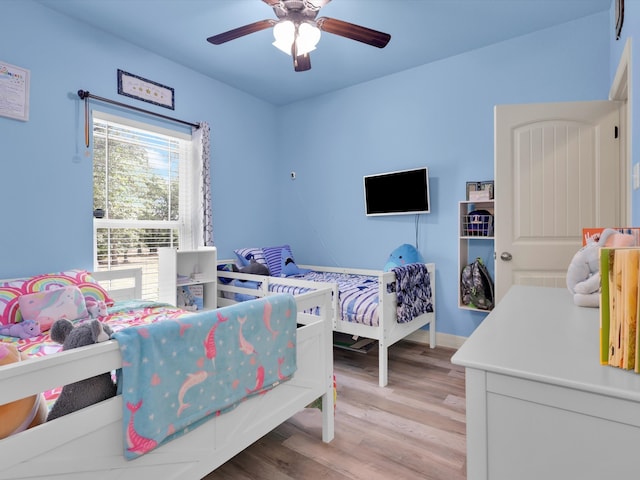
(122, 284)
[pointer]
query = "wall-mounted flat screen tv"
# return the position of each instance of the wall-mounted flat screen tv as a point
(397, 193)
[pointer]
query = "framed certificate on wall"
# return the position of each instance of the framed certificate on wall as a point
(14, 91)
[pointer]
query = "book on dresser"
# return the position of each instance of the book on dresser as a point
(629, 307)
(605, 319)
(619, 304)
(592, 234)
(637, 345)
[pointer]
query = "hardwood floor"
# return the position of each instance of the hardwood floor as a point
(412, 429)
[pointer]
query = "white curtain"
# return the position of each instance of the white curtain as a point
(203, 226)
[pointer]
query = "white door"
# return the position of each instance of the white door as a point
(557, 170)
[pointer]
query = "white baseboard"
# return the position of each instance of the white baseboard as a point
(442, 339)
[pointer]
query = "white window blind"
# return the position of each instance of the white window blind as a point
(142, 181)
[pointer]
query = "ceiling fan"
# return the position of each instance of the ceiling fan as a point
(297, 30)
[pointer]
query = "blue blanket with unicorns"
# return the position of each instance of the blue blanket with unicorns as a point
(176, 373)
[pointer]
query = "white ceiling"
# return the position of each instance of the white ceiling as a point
(422, 31)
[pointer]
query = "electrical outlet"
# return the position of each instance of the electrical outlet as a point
(635, 176)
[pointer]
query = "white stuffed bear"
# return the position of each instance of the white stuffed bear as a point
(583, 274)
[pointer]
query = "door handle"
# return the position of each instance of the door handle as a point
(506, 256)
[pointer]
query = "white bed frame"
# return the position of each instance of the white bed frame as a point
(88, 443)
(388, 331)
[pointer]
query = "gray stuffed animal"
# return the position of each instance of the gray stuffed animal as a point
(88, 391)
(254, 268)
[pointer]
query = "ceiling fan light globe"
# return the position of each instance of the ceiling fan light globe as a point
(284, 33)
(303, 51)
(283, 46)
(308, 38)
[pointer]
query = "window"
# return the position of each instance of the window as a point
(141, 180)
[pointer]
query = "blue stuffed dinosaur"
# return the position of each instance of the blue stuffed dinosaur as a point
(403, 255)
(289, 267)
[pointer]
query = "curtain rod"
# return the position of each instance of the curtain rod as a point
(84, 95)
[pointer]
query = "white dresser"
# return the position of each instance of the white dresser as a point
(539, 404)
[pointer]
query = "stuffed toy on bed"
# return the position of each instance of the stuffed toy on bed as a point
(83, 393)
(583, 274)
(288, 266)
(252, 267)
(403, 255)
(96, 309)
(23, 329)
(24, 413)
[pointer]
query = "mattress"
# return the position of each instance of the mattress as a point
(358, 294)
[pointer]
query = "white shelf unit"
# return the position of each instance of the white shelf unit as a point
(179, 268)
(470, 232)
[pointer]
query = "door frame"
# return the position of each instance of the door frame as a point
(621, 91)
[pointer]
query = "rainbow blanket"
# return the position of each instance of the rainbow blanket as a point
(177, 373)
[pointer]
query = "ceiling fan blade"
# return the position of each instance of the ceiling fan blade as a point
(241, 31)
(353, 31)
(302, 63)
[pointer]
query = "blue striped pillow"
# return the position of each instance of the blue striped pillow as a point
(273, 256)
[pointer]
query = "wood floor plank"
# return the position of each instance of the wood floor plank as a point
(412, 429)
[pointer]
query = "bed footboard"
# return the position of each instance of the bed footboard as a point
(388, 331)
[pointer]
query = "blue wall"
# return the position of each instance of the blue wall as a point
(46, 180)
(439, 115)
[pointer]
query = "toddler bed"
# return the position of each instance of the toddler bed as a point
(92, 442)
(366, 303)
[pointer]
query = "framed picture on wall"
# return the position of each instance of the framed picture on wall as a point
(472, 187)
(487, 186)
(140, 88)
(14, 91)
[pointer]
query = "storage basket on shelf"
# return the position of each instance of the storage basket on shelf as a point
(478, 223)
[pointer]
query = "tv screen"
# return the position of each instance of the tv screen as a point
(397, 193)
